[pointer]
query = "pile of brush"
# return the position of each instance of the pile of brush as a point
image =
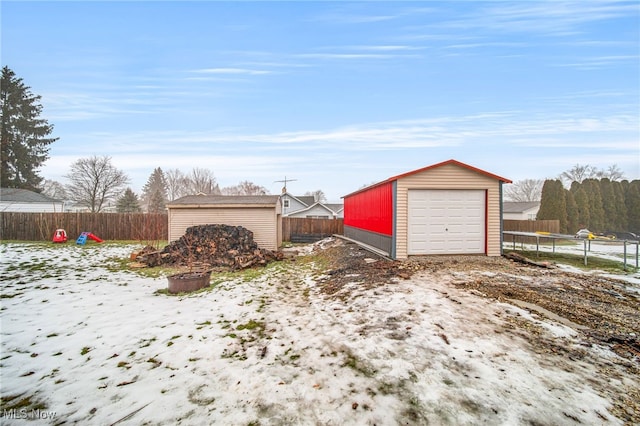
(213, 246)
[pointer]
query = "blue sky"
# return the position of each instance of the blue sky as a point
(334, 94)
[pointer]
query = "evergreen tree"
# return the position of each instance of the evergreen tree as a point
(609, 208)
(632, 201)
(622, 222)
(573, 223)
(25, 145)
(128, 203)
(553, 203)
(154, 192)
(596, 211)
(582, 205)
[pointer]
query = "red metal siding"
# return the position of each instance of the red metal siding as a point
(371, 209)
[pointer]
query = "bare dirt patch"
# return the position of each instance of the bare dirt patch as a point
(604, 311)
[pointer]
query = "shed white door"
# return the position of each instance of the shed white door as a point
(446, 221)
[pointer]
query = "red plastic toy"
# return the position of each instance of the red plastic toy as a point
(60, 236)
(95, 238)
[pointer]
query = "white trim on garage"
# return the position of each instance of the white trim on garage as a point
(446, 221)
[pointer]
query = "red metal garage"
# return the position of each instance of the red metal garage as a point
(446, 208)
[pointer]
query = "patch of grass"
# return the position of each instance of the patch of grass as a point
(251, 325)
(85, 350)
(359, 365)
(147, 342)
(165, 291)
(20, 402)
(9, 296)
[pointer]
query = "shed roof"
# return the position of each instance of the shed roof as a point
(433, 166)
(17, 195)
(225, 200)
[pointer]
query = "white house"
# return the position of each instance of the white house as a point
(307, 206)
(526, 210)
(23, 200)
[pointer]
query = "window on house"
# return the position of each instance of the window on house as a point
(285, 204)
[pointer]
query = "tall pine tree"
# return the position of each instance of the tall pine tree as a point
(25, 141)
(154, 192)
(128, 203)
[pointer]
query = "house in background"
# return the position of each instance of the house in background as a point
(520, 210)
(23, 200)
(306, 206)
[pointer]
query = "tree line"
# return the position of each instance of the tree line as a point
(600, 205)
(94, 183)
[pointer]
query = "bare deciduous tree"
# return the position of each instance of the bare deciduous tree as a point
(94, 182)
(524, 190)
(53, 189)
(245, 188)
(578, 173)
(318, 195)
(176, 184)
(202, 181)
(581, 172)
(613, 173)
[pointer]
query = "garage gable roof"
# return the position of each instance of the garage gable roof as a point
(444, 163)
(225, 201)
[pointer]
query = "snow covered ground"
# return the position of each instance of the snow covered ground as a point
(613, 250)
(85, 345)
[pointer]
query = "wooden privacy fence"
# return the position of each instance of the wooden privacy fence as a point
(303, 230)
(108, 226)
(552, 226)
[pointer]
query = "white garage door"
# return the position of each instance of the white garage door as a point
(446, 222)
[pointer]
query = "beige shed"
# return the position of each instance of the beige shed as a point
(261, 214)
